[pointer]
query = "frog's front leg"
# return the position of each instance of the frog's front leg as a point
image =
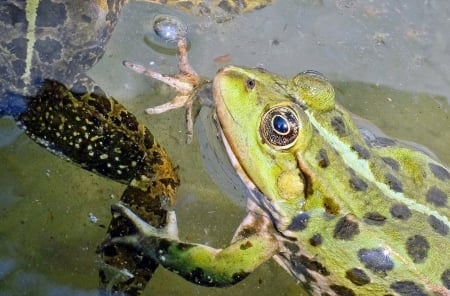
(198, 263)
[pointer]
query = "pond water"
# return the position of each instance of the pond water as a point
(386, 59)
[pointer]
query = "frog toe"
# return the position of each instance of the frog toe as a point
(170, 231)
(172, 226)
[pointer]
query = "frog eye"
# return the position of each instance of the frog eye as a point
(280, 127)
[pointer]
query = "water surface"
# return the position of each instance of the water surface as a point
(385, 57)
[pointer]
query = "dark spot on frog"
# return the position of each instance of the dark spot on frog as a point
(445, 277)
(391, 162)
(400, 211)
(100, 104)
(417, 247)
(312, 264)
(407, 288)
(363, 153)
(376, 260)
(357, 183)
(129, 121)
(247, 231)
(89, 56)
(382, 142)
(233, 9)
(357, 276)
(292, 247)
(316, 240)
(18, 46)
(322, 158)
(374, 218)
(299, 222)
(156, 158)
(115, 120)
(185, 4)
(393, 183)
(12, 15)
(50, 14)
(149, 139)
(48, 50)
(299, 268)
(169, 182)
(437, 197)
(338, 125)
(438, 225)
(346, 228)
(439, 172)
(19, 67)
(246, 245)
(95, 121)
(342, 291)
(86, 18)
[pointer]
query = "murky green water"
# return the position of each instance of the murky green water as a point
(47, 242)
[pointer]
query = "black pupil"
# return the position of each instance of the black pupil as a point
(280, 124)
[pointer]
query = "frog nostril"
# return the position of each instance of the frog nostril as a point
(250, 84)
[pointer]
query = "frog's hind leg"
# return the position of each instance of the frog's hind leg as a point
(97, 133)
(186, 83)
(200, 264)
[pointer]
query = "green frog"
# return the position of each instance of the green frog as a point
(343, 213)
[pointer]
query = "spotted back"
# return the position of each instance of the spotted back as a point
(51, 39)
(377, 215)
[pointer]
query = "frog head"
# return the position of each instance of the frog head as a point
(264, 127)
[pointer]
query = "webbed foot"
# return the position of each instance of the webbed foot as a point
(186, 83)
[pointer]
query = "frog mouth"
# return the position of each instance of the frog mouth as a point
(271, 208)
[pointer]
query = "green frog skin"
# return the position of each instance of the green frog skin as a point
(344, 215)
